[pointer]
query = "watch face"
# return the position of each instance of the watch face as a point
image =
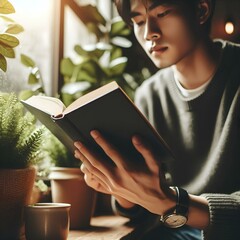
(175, 221)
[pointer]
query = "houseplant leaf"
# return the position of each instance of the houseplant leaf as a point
(14, 28)
(116, 26)
(6, 7)
(6, 19)
(3, 63)
(27, 61)
(32, 79)
(119, 28)
(118, 65)
(67, 67)
(92, 50)
(9, 40)
(92, 69)
(115, 53)
(7, 51)
(25, 94)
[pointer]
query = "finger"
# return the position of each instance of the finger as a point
(79, 155)
(146, 151)
(108, 148)
(93, 181)
(104, 166)
(88, 168)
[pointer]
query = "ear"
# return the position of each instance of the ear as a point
(204, 10)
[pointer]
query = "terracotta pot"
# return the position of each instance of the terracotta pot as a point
(15, 192)
(68, 186)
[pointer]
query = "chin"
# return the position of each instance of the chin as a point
(162, 64)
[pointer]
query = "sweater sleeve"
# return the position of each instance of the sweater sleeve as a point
(224, 216)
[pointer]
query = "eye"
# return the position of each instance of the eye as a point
(163, 14)
(137, 21)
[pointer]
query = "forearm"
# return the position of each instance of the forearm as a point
(198, 214)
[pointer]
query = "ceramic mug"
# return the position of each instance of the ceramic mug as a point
(47, 221)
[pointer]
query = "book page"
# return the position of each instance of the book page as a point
(50, 105)
(91, 96)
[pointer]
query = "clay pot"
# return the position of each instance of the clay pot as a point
(68, 186)
(15, 192)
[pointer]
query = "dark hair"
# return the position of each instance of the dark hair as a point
(123, 7)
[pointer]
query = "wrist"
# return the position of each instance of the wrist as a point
(124, 203)
(177, 216)
(170, 202)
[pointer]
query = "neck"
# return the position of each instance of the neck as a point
(199, 66)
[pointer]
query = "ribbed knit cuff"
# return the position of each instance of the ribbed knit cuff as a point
(224, 217)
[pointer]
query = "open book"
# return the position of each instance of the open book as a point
(107, 109)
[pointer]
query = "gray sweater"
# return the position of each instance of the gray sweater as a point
(204, 136)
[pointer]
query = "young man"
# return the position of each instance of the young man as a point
(194, 103)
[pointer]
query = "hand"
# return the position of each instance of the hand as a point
(143, 184)
(95, 183)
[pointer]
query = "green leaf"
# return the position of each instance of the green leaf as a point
(117, 66)
(27, 61)
(115, 53)
(6, 7)
(14, 29)
(85, 76)
(116, 26)
(119, 28)
(67, 67)
(25, 94)
(3, 63)
(7, 51)
(6, 19)
(79, 50)
(9, 40)
(92, 50)
(91, 71)
(124, 32)
(32, 79)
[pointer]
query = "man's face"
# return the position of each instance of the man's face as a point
(165, 31)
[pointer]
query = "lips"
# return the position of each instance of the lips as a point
(158, 49)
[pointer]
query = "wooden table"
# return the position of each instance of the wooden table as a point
(110, 228)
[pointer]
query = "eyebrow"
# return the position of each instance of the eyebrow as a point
(151, 7)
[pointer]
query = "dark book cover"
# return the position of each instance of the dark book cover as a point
(113, 114)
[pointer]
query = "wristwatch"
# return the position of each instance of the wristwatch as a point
(177, 217)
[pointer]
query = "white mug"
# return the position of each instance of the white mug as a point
(47, 221)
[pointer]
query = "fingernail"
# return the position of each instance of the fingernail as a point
(94, 133)
(136, 140)
(78, 145)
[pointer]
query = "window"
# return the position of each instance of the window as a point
(36, 18)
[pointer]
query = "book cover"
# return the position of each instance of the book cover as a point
(107, 109)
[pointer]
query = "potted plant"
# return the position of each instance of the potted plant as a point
(20, 142)
(101, 62)
(67, 183)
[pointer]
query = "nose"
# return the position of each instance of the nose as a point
(152, 30)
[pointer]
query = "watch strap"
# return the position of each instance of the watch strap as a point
(178, 216)
(182, 204)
